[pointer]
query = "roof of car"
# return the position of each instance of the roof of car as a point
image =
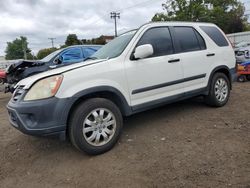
(84, 45)
(174, 23)
(171, 23)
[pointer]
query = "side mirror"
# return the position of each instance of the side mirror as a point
(143, 51)
(58, 60)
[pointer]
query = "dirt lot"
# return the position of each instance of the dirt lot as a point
(185, 144)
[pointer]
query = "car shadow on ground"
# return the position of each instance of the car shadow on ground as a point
(163, 112)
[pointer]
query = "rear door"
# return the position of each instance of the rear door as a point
(224, 52)
(194, 56)
(88, 51)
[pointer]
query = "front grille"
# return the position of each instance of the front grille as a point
(18, 93)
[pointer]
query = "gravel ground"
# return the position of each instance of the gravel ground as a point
(185, 144)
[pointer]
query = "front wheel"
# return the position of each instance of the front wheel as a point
(95, 126)
(219, 91)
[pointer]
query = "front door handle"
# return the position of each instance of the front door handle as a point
(210, 54)
(173, 60)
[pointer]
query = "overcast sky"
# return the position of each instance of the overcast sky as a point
(40, 19)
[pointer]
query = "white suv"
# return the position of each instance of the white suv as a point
(154, 65)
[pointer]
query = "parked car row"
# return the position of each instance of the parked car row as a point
(62, 57)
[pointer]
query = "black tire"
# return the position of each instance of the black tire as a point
(241, 78)
(80, 115)
(211, 98)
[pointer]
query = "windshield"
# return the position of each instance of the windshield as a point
(115, 47)
(50, 56)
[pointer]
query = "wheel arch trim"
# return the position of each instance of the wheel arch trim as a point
(95, 92)
(221, 68)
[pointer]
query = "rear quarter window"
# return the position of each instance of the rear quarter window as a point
(216, 35)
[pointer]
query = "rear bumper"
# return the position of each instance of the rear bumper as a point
(39, 118)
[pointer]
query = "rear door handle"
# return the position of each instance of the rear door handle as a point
(173, 60)
(210, 54)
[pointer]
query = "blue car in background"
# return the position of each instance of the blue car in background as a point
(72, 54)
(62, 57)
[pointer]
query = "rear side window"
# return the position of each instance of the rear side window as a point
(88, 52)
(160, 39)
(215, 34)
(189, 39)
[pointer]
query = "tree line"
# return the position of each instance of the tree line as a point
(227, 14)
(18, 48)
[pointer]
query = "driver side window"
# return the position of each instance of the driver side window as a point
(72, 55)
(160, 39)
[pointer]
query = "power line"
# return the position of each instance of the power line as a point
(138, 4)
(124, 9)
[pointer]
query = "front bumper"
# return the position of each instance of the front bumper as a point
(41, 117)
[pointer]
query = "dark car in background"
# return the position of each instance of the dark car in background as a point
(62, 57)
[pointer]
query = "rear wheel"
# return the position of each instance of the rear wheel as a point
(219, 91)
(95, 126)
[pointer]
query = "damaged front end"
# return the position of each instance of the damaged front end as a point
(20, 70)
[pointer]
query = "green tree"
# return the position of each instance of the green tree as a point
(44, 52)
(17, 49)
(31, 56)
(72, 39)
(100, 40)
(228, 15)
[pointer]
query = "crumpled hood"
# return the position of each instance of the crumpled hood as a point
(24, 63)
(28, 82)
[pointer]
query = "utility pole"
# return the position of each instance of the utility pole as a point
(115, 15)
(24, 44)
(52, 41)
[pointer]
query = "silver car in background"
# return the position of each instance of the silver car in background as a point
(242, 50)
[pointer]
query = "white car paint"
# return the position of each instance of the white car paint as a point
(126, 75)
